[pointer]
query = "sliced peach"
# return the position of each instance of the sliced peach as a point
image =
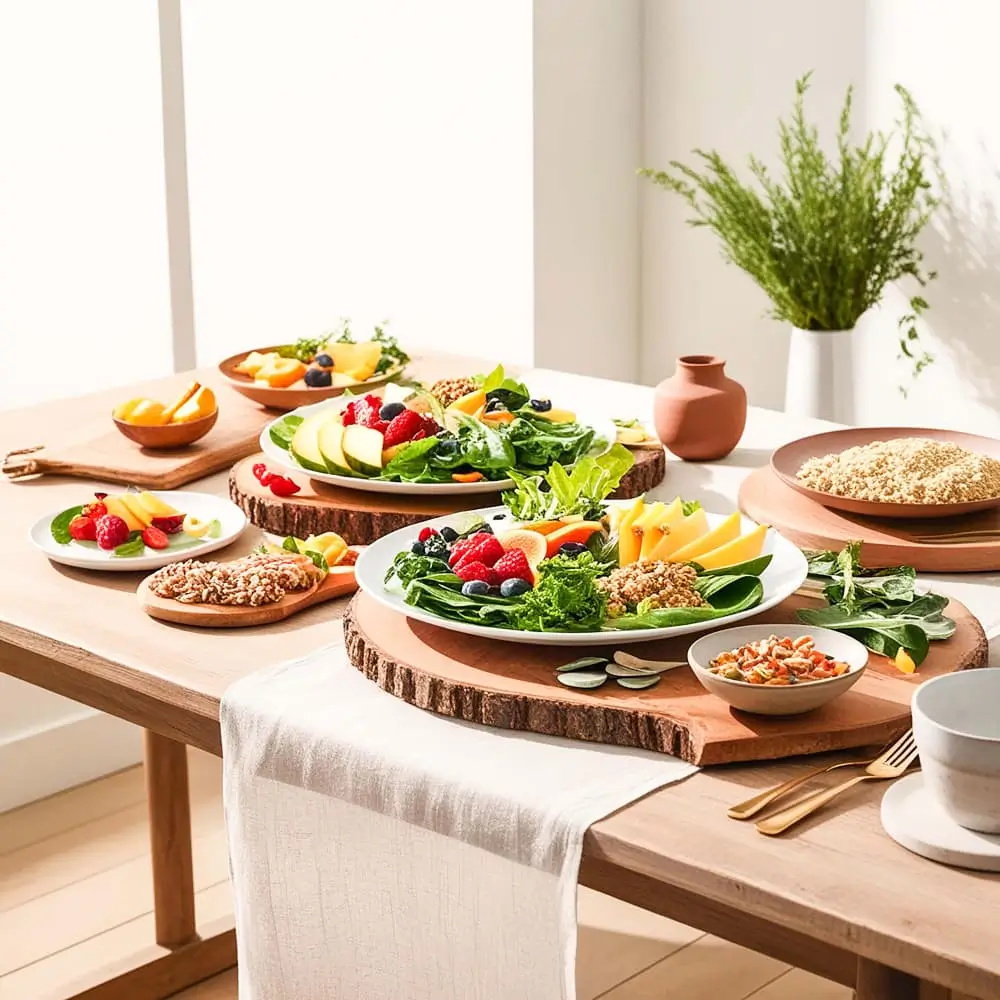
(545, 527)
(579, 531)
(280, 373)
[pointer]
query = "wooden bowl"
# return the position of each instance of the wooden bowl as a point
(167, 435)
(292, 397)
(788, 459)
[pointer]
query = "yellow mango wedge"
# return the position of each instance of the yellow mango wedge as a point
(727, 531)
(687, 530)
(630, 541)
(117, 507)
(671, 516)
(748, 547)
(645, 525)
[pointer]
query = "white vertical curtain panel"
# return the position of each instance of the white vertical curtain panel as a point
(380, 852)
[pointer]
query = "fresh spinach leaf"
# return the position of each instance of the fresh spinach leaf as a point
(283, 430)
(60, 525)
(133, 547)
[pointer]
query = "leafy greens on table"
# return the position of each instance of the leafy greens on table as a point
(880, 608)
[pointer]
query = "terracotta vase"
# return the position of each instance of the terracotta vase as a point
(699, 412)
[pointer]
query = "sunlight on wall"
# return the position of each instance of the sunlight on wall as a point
(367, 160)
(82, 248)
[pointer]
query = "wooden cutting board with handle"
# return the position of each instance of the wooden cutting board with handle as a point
(93, 448)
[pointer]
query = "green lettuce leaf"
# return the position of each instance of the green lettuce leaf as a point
(60, 525)
(283, 430)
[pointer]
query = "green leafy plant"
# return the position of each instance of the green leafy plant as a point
(825, 240)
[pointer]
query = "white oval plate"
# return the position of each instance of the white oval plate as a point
(605, 429)
(781, 579)
(202, 505)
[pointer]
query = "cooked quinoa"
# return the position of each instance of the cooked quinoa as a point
(665, 585)
(905, 470)
(261, 578)
(448, 390)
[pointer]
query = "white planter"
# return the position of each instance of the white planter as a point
(820, 381)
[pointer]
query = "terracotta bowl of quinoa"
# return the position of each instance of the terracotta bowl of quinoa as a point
(764, 699)
(894, 472)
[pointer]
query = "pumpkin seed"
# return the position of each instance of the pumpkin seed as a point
(583, 678)
(583, 663)
(617, 670)
(640, 665)
(639, 682)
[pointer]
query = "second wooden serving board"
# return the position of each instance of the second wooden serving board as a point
(513, 686)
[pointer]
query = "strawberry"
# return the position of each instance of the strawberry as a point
(94, 510)
(426, 533)
(366, 410)
(420, 435)
(403, 427)
(514, 566)
(155, 538)
(349, 416)
(111, 531)
(485, 549)
(472, 569)
(83, 529)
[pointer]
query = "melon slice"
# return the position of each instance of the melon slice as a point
(305, 442)
(117, 507)
(727, 531)
(155, 506)
(646, 527)
(363, 449)
(749, 546)
(136, 509)
(687, 530)
(629, 540)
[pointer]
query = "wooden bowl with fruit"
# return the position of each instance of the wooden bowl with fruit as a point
(310, 370)
(150, 424)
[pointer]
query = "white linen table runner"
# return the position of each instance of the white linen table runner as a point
(380, 852)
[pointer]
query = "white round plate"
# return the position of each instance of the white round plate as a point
(605, 429)
(916, 821)
(89, 556)
(782, 578)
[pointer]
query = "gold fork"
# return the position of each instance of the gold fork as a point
(891, 764)
(750, 808)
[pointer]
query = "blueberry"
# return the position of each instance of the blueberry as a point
(318, 378)
(448, 446)
(495, 406)
(475, 588)
(417, 548)
(540, 405)
(572, 548)
(390, 410)
(324, 360)
(499, 517)
(449, 534)
(514, 587)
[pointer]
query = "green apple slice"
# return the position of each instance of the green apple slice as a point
(363, 449)
(305, 442)
(331, 447)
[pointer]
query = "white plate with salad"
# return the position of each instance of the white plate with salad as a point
(560, 564)
(138, 531)
(411, 441)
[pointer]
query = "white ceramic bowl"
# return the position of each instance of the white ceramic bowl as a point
(956, 722)
(761, 699)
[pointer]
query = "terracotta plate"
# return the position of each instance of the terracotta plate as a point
(788, 459)
(293, 397)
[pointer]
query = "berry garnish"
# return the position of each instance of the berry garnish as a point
(403, 427)
(417, 548)
(448, 534)
(514, 566)
(431, 426)
(436, 546)
(426, 533)
(485, 549)
(282, 486)
(261, 474)
(420, 435)
(348, 414)
(391, 410)
(366, 410)
(83, 529)
(475, 588)
(572, 549)
(514, 587)
(110, 531)
(94, 510)
(155, 538)
(474, 570)
(318, 378)
(170, 525)
(540, 405)
(324, 360)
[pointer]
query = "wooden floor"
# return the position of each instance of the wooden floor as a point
(75, 894)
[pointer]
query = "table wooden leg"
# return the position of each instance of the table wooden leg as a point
(880, 982)
(170, 840)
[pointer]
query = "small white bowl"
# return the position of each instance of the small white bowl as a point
(956, 722)
(761, 699)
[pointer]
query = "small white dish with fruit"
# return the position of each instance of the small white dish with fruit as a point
(137, 531)
(468, 435)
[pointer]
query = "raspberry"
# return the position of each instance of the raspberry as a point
(514, 566)
(94, 510)
(111, 531)
(431, 426)
(485, 549)
(348, 416)
(83, 529)
(366, 410)
(426, 533)
(381, 426)
(472, 569)
(155, 538)
(403, 427)
(420, 435)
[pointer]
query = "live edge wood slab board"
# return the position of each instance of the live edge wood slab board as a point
(512, 686)
(362, 517)
(887, 542)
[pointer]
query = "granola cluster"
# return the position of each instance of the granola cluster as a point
(258, 579)
(663, 584)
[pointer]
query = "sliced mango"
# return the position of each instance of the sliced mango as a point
(687, 530)
(749, 546)
(136, 509)
(557, 416)
(629, 540)
(279, 373)
(253, 363)
(155, 506)
(727, 531)
(117, 507)
(646, 524)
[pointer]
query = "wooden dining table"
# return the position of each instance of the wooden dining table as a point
(835, 896)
